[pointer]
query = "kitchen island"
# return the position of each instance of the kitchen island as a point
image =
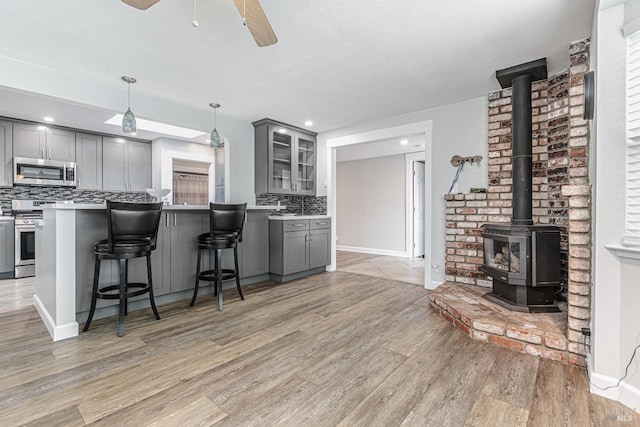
(65, 260)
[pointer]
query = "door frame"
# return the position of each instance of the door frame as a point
(410, 158)
(423, 127)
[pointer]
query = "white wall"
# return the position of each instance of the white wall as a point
(459, 128)
(615, 315)
(371, 205)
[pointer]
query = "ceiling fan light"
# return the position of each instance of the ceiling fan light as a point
(129, 122)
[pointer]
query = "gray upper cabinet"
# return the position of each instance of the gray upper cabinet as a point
(89, 158)
(61, 145)
(41, 142)
(139, 164)
(29, 140)
(6, 153)
(285, 159)
(127, 165)
(114, 176)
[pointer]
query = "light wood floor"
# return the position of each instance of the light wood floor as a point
(333, 349)
(408, 270)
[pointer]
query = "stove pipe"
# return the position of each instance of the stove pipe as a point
(519, 78)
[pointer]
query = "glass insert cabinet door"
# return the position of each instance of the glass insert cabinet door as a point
(306, 164)
(282, 149)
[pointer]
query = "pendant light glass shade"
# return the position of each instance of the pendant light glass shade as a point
(216, 142)
(129, 120)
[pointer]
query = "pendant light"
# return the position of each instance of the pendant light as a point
(129, 120)
(215, 136)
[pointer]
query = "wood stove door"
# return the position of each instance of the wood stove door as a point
(505, 257)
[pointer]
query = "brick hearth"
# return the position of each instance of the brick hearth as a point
(540, 334)
(561, 196)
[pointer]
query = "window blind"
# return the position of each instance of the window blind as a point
(632, 216)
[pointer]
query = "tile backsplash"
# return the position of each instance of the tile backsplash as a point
(307, 205)
(64, 194)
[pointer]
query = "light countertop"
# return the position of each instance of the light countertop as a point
(297, 217)
(91, 206)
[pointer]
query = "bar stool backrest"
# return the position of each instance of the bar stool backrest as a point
(133, 221)
(227, 219)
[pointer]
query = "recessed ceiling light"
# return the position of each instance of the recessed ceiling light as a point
(404, 142)
(49, 119)
(163, 128)
(308, 123)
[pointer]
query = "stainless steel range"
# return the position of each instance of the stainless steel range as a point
(28, 214)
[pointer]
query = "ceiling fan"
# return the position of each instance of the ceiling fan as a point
(251, 12)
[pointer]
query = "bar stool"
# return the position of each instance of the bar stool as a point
(133, 229)
(225, 232)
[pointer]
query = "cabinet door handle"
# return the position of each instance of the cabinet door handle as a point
(166, 220)
(43, 153)
(49, 153)
(246, 217)
(298, 225)
(175, 219)
(322, 223)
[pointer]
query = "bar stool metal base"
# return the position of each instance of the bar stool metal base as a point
(122, 291)
(217, 275)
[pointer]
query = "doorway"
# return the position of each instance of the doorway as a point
(423, 128)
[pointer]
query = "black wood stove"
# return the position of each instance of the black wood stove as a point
(523, 259)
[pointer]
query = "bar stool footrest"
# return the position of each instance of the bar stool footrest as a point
(104, 292)
(211, 275)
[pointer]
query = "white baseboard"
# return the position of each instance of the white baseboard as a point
(373, 251)
(57, 332)
(624, 393)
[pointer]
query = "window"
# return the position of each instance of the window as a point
(632, 217)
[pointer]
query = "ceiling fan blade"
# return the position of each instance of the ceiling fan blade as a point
(257, 22)
(141, 4)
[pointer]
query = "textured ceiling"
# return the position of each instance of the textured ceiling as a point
(337, 62)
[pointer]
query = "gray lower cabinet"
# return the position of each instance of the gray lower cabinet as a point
(184, 229)
(129, 164)
(89, 161)
(7, 237)
(6, 153)
(253, 252)
(91, 226)
(173, 263)
(320, 248)
(298, 247)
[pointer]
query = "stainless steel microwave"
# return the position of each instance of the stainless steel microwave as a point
(43, 172)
